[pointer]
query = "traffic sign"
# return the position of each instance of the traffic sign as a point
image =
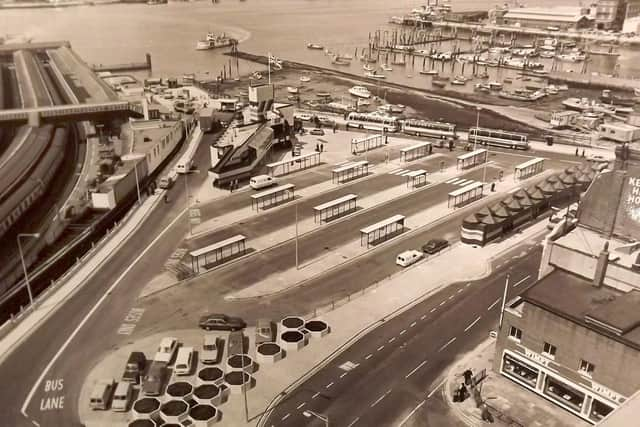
(194, 213)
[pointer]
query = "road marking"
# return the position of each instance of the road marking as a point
(354, 421)
(424, 316)
(432, 310)
(315, 395)
(467, 285)
(349, 365)
(447, 344)
(411, 413)
(415, 369)
(451, 180)
(380, 348)
(391, 340)
(460, 290)
(471, 324)
(413, 324)
(329, 385)
(435, 389)
(402, 332)
(343, 374)
(93, 310)
(451, 297)
(380, 398)
(519, 282)
(285, 417)
(368, 357)
(494, 304)
(301, 405)
(442, 303)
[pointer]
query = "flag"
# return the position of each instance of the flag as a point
(277, 63)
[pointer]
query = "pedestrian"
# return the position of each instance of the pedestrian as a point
(321, 147)
(576, 151)
(318, 148)
(582, 153)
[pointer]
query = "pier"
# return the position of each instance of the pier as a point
(131, 66)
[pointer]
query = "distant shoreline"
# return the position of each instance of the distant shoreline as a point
(71, 3)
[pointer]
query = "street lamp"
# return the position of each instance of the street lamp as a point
(504, 301)
(323, 418)
(24, 266)
(475, 145)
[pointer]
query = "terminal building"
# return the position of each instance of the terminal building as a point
(573, 337)
(562, 18)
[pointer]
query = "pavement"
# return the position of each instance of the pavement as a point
(509, 403)
(349, 321)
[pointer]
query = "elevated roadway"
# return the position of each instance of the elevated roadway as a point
(62, 113)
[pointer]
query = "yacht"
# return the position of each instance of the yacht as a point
(360, 92)
(314, 46)
(292, 90)
(305, 79)
(483, 87)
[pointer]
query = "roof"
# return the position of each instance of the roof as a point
(577, 300)
(559, 14)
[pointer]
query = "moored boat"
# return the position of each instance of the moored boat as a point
(439, 83)
(608, 98)
(292, 90)
(360, 92)
(386, 67)
(305, 79)
(314, 46)
(374, 75)
(431, 72)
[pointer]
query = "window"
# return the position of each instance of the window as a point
(586, 368)
(549, 350)
(515, 333)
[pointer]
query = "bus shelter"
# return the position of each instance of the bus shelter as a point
(382, 230)
(203, 258)
(287, 166)
(273, 196)
(529, 168)
(335, 208)
(350, 171)
(416, 151)
(471, 159)
(466, 194)
(416, 178)
(360, 145)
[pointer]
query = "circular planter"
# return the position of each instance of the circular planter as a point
(204, 415)
(269, 352)
(292, 340)
(238, 381)
(317, 328)
(174, 411)
(240, 362)
(210, 375)
(208, 394)
(145, 408)
(290, 323)
(142, 423)
(180, 390)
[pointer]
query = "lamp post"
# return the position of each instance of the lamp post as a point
(24, 266)
(323, 418)
(297, 254)
(475, 144)
(504, 301)
(186, 189)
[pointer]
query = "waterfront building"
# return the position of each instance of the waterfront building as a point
(573, 337)
(631, 23)
(562, 18)
(610, 14)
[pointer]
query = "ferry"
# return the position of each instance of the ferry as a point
(314, 46)
(214, 41)
(360, 92)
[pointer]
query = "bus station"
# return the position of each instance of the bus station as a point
(416, 151)
(471, 159)
(529, 168)
(465, 195)
(335, 208)
(205, 258)
(273, 196)
(360, 145)
(416, 179)
(350, 171)
(382, 230)
(294, 164)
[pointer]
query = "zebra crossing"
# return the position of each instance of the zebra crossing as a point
(400, 172)
(460, 181)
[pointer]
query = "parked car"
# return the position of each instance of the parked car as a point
(264, 331)
(211, 349)
(407, 258)
(134, 367)
(235, 344)
(155, 379)
(262, 181)
(317, 132)
(166, 350)
(221, 322)
(101, 393)
(184, 361)
(434, 246)
(122, 397)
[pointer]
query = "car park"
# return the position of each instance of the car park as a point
(221, 322)
(101, 393)
(154, 381)
(122, 397)
(166, 350)
(434, 246)
(211, 349)
(264, 331)
(134, 368)
(184, 361)
(407, 258)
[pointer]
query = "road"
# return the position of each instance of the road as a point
(72, 341)
(401, 362)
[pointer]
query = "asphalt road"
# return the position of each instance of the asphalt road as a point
(402, 361)
(94, 335)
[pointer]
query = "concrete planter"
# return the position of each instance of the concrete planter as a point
(180, 390)
(240, 363)
(174, 411)
(291, 323)
(317, 328)
(208, 394)
(292, 340)
(145, 409)
(210, 375)
(142, 423)
(204, 415)
(238, 381)
(269, 353)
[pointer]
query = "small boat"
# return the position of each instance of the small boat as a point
(552, 90)
(461, 78)
(431, 72)
(367, 67)
(256, 76)
(397, 108)
(386, 67)
(608, 98)
(458, 82)
(482, 87)
(293, 90)
(508, 80)
(374, 75)
(516, 95)
(483, 75)
(314, 46)
(213, 41)
(323, 95)
(305, 79)
(360, 92)
(439, 83)
(541, 72)
(493, 85)
(547, 54)
(339, 61)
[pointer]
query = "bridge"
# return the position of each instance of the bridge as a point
(61, 113)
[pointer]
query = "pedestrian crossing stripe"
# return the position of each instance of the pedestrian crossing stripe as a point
(393, 172)
(347, 366)
(455, 181)
(465, 182)
(451, 181)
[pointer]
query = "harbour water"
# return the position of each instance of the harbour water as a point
(125, 32)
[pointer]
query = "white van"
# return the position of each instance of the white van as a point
(101, 394)
(167, 181)
(184, 361)
(262, 181)
(122, 397)
(407, 258)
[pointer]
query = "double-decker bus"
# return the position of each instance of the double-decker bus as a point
(440, 130)
(499, 138)
(370, 121)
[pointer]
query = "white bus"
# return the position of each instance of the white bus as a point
(440, 130)
(185, 163)
(370, 121)
(499, 138)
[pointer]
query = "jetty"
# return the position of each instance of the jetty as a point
(131, 66)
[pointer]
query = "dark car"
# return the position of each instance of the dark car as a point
(155, 379)
(134, 367)
(434, 246)
(221, 322)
